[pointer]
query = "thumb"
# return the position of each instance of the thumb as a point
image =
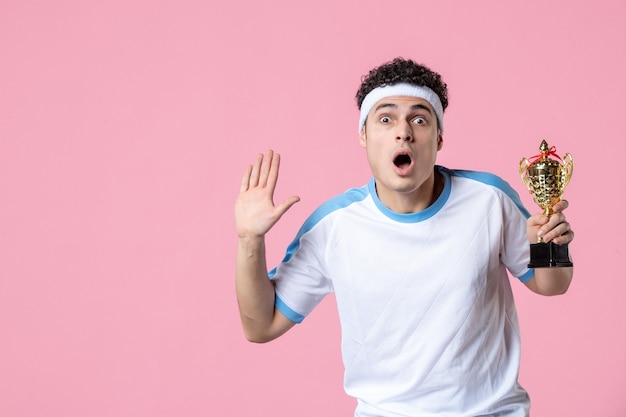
(287, 203)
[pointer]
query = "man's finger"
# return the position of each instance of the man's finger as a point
(256, 169)
(245, 180)
(266, 165)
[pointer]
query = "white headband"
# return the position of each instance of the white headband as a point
(401, 89)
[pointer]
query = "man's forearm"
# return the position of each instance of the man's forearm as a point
(255, 292)
(551, 281)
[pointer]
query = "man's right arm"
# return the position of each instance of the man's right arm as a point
(255, 215)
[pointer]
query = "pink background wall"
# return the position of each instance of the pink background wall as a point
(125, 127)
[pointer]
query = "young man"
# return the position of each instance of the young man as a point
(417, 259)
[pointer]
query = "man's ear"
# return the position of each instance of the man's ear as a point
(440, 142)
(362, 137)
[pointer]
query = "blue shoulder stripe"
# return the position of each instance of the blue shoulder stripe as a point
(351, 196)
(493, 180)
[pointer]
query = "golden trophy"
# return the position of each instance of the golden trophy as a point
(546, 178)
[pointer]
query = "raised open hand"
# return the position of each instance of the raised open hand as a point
(255, 211)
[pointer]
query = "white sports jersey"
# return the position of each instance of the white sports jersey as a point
(428, 321)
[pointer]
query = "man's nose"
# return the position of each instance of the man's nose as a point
(404, 133)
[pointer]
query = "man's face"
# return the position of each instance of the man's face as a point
(401, 138)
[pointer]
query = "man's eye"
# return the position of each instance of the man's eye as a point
(385, 119)
(419, 120)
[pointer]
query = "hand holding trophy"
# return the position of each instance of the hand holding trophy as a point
(546, 178)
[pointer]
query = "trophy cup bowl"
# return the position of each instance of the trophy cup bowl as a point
(546, 178)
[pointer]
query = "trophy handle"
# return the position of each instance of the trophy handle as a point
(523, 172)
(567, 169)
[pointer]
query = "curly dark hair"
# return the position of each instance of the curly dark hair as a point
(402, 70)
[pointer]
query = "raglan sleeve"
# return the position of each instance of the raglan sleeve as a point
(300, 280)
(515, 253)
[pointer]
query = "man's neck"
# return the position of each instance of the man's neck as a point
(418, 200)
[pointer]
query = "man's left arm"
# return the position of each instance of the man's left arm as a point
(550, 281)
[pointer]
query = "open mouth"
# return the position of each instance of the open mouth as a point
(402, 161)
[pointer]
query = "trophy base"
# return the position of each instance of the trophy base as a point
(549, 255)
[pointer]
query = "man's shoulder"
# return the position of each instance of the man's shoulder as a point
(337, 203)
(491, 181)
(345, 199)
(483, 177)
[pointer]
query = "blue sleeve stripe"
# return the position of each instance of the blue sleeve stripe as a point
(527, 276)
(288, 312)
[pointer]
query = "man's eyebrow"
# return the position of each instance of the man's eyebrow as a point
(395, 106)
(385, 105)
(421, 106)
